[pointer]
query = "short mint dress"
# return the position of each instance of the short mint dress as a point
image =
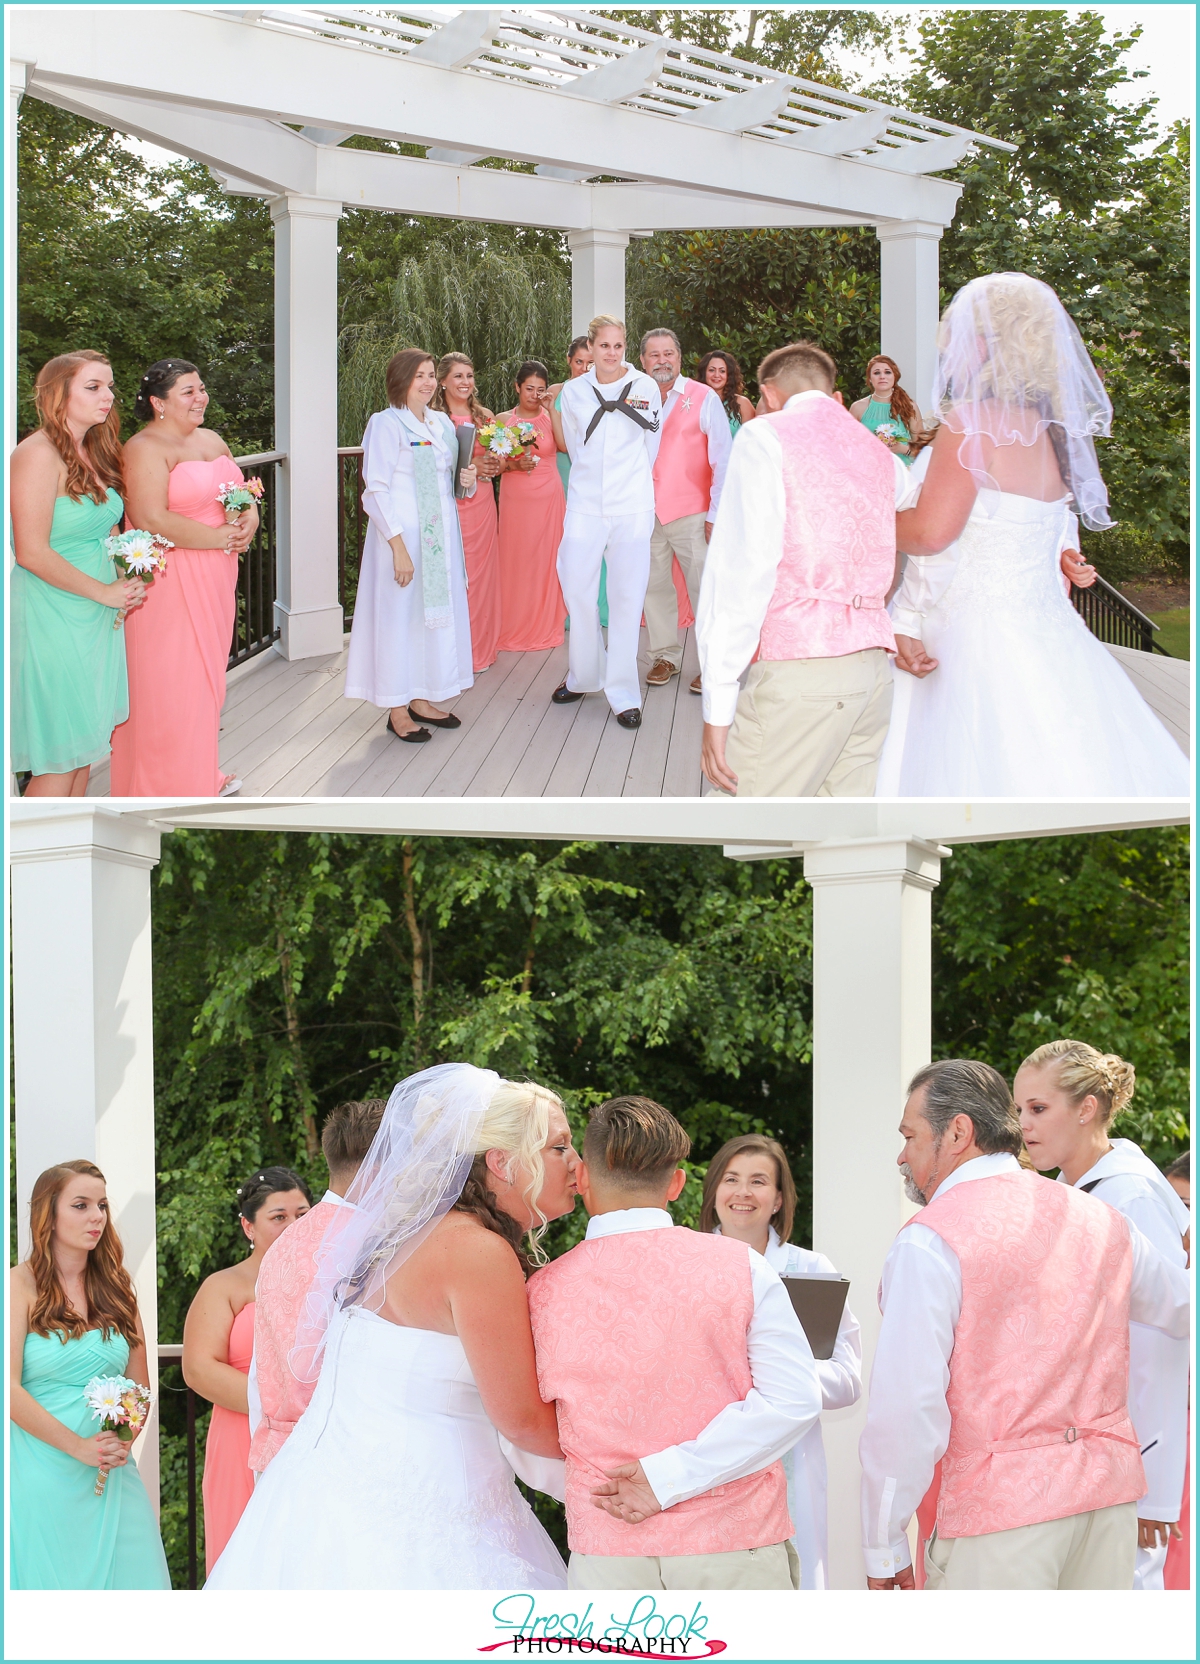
(68, 684)
(63, 1535)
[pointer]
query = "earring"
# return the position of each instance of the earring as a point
(162, 415)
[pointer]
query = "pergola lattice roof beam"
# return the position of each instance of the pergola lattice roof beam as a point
(302, 79)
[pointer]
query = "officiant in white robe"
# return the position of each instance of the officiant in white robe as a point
(401, 647)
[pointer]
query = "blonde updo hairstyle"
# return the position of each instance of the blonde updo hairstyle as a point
(605, 320)
(1082, 1072)
(516, 1122)
(1022, 313)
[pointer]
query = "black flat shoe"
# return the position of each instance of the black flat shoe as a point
(438, 721)
(630, 719)
(563, 696)
(417, 737)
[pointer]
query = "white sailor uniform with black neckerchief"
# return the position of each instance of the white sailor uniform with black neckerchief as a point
(610, 431)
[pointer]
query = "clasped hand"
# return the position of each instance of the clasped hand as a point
(905, 1579)
(626, 1495)
(911, 656)
(104, 1450)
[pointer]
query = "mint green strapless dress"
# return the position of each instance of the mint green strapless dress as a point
(68, 683)
(63, 1535)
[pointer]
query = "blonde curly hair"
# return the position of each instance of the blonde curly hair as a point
(1081, 1071)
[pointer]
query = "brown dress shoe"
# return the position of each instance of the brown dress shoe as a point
(660, 673)
(695, 685)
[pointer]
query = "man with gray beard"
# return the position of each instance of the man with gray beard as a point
(1004, 1354)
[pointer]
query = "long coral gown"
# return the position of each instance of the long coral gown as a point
(177, 646)
(532, 507)
(228, 1481)
(481, 552)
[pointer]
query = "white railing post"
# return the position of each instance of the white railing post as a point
(308, 610)
(597, 275)
(908, 302)
(83, 1029)
(871, 1033)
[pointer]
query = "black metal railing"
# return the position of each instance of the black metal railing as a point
(172, 1353)
(254, 626)
(1113, 618)
(352, 525)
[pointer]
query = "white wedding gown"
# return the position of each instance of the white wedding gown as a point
(1025, 701)
(393, 1479)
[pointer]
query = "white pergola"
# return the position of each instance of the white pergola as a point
(266, 97)
(83, 990)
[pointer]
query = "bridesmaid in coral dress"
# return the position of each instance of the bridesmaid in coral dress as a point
(532, 507)
(455, 397)
(174, 468)
(218, 1345)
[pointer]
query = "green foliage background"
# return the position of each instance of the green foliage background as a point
(150, 261)
(294, 971)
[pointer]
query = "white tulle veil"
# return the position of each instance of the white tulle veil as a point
(1011, 366)
(413, 1174)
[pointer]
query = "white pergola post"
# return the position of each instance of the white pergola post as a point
(308, 610)
(83, 1029)
(908, 302)
(871, 1033)
(597, 275)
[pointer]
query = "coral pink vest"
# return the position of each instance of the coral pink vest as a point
(284, 1279)
(682, 476)
(839, 536)
(641, 1339)
(1040, 1369)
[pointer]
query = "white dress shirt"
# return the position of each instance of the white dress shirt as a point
(784, 1400)
(908, 1419)
(743, 561)
(1159, 1365)
(714, 425)
(611, 473)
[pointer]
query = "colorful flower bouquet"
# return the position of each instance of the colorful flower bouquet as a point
(122, 1406)
(887, 431)
(138, 555)
(503, 441)
(236, 498)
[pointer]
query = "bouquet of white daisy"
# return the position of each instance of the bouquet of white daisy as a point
(122, 1406)
(500, 440)
(887, 431)
(138, 555)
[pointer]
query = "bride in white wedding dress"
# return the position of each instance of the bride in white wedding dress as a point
(399, 1475)
(1006, 692)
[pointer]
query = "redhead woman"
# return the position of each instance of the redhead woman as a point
(890, 408)
(218, 1344)
(1068, 1093)
(179, 646)
(73, 1316)
(749, 1194)
(399, 1475)
(532, 507)
(455, 397)
(68, 678)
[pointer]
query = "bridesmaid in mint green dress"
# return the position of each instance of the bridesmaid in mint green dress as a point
(68, 685)
(889, 404)
(74, 1287)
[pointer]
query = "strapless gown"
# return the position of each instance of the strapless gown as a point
(178, 647)
(228, 1482)
(64, 1536)
(67, 677)
(393, 1479)
(1025, 702)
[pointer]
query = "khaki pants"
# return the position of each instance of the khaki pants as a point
(745, 1568)
(684, 539)
(811, 727)
(1084, 1551)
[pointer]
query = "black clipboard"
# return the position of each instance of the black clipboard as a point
(466, 449)
(818, 1300)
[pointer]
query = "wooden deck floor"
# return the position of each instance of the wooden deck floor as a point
(288, 731)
